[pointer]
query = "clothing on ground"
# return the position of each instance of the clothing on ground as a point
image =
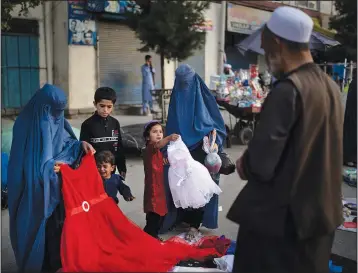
(221, 244)
(104, 134)
(193, 112)
(41, 136)
(350, 124)
(115, 185)
(98, 237)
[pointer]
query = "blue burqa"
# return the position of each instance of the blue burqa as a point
(41, 136)
(193, 113)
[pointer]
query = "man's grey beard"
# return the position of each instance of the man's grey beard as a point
(273, 64)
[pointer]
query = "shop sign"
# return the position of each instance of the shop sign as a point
(245, 20)
(206, 26)
(115, 9)
(81, 27)
(121, 7)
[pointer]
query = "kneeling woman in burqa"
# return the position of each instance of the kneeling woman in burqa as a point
(41, 138)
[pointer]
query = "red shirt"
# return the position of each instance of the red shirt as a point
(154, 191)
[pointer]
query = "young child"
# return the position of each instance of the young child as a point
(102, 130)
(113, 183)
(155, 205)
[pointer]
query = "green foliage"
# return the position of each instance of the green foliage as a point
(7, 7)
(169, 27)
(345, 22)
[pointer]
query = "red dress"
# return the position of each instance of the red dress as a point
(154, 191)
(98, 237)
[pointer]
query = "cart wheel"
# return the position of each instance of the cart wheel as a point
(228, 137)
(237, 129)
(245, 135)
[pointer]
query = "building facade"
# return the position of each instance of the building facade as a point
(81, 45)
(244, 17)
(23, 60)
(72, 45)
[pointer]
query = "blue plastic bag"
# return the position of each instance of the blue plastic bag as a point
(335, 268)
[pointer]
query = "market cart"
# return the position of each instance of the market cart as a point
(161, 99)
(246, 120)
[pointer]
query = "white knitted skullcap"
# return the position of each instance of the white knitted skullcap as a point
(291, 24)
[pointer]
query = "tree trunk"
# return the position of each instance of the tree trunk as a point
(162, 70)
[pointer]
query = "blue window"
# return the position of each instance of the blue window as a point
(20, 69)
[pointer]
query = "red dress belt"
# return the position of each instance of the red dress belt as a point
(86, 205)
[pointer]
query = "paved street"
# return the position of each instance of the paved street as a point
(345, 243)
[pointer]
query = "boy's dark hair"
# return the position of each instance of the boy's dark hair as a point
(105, 93)
(294, 47)
(148, 128)
(147, 57)
(105, 157)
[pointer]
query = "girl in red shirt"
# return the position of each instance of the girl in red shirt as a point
(155, 205)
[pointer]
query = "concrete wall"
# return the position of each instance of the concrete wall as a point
(212, 46)
(169, 73)
(327, 7)
(82, 76)
(37, 14)
(60, 47)
(211, 49)
(74, 66)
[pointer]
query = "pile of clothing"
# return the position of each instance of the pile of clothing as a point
(349, 214)
(350, 176)
(224, 246)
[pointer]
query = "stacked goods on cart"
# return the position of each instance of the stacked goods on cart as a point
(221, 88)
(243, 90)
(242, 96)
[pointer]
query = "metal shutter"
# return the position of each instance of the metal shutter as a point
(120, 62)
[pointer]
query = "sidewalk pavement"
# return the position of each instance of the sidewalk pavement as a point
(134, 120)
(344, 243)
(123, 120)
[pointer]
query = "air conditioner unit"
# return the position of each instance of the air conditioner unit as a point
(312, 4)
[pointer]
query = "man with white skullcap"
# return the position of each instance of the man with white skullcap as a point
(228, 70)
(291, 206)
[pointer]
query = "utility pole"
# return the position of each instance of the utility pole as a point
(222, 38)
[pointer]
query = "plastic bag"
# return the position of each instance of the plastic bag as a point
(227, 166)
(212, 161)
(225, 263)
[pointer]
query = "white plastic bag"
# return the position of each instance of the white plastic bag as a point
(190, 182)
(212, 160)
(225, 263)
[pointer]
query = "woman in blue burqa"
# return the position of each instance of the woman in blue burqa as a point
(193, 113)
(42, 139)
